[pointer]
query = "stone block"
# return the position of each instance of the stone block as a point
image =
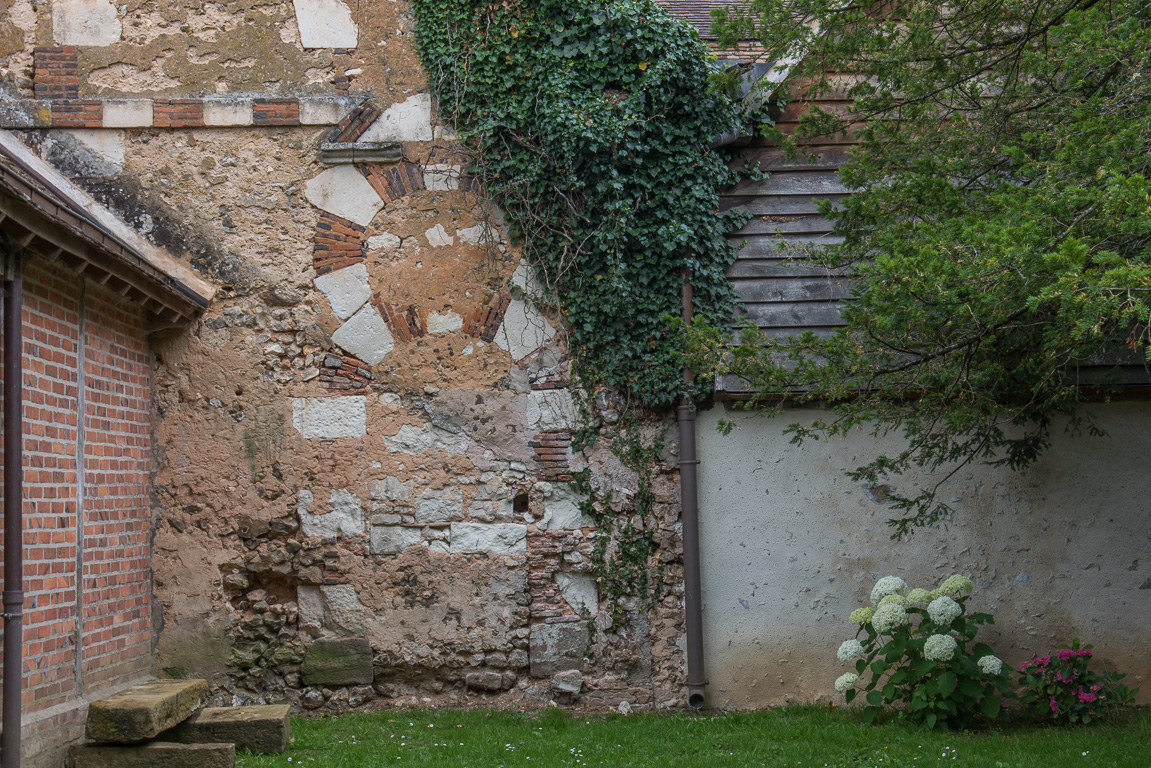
(580, 592)
(385, 241)
(555, 648)
(338, 662)
(523, 330)
(365, 335)
(158, 754)
(325, 24)
(127, 113)
(144, 711)
(328, 417)
(344, 191)
(438, 237)
(551, 410)
(346, 289)
(393, 539)
(480, 234)
(485, 680)
(440, 506)
(255, 728)
(392, 489)
(346, 517)
(85, 22)
(332, 609)
(493, 538)
(409, 120)
(227, 112)
(569, 682)
(323, 110)
(442, 178)
(448, 322)
(414, 440)
(561, 507)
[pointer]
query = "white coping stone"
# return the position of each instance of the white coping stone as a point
(442, 178)
(108, 144)
(345, 519)
(446, 323)
(393, 539)
(480, 234)
(85, 22)
(325, 24)
(409, 120)
(414, 440)
(323, 110)
(127, 113)
(523, 330)
(561, 508)
(442, 506)
(579, 590)
(550, 410)
(438, 237)
(366, 336)
(347, 289)
(344, 191)
(392, 489)
(385, 241)
(227, 112)
(494, 538)
(328, 417)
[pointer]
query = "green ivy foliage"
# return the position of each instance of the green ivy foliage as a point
(588, 124)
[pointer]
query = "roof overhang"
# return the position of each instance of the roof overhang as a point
(43, 213)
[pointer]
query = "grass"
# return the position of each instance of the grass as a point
(792, 736)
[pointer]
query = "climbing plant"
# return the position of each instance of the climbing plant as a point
(588, 123)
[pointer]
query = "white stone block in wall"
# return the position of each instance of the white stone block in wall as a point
(85, 22)
(344, 191)
(393, 539)
(440, 506)
(438, 237)
(325, 24)
(333, 610)
(494, 538)
(414, 440)
(561, 508)
(345, 519)
(579, 590)
(449, 322)
(523, 331)
(347, 289)
(409, 120)
(442, 178)
(365, 335)
(323, 110)
(330, 417)
(392, 489)
(221, 113)
(480, 234)
(550, 410)
(127, 113)
(385, 241)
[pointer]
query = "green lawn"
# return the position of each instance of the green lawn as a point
(793, 736)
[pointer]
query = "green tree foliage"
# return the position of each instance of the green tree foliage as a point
(1000, 233)
(588, 123)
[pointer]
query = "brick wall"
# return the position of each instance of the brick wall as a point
(87, 576)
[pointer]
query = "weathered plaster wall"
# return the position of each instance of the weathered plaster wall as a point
(791, 547)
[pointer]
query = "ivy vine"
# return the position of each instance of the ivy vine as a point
(588, 123)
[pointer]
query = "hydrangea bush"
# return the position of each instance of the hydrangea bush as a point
(1061, 686)
(918, 647)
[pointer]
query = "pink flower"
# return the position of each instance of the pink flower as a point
(1085, 652)
(1096, 687)
(1059, 676)
(1054, 706)
(1065, 654)
(1085, 697)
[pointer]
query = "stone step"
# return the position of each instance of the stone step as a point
(143, 712)
(257, 728)
(157, 754)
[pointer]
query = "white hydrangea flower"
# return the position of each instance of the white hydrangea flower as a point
(888, 617)
(940, 648)
(861, 616)
(849, 651)
(955, 585)
(918, 597)
(943, 610)
(845, 681)
(888, 585)
(991, 665)
(897, 599)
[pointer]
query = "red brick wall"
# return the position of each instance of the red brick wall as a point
(78, 641)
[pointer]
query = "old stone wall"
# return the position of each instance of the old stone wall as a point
(363, 475)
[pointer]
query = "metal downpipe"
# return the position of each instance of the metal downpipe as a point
(689, 504)
(13, 512)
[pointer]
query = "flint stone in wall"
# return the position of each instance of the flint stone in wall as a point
(338, 662)
(523, 331)
(346, 289)
(551, 410)
(345, 519)
(365, 335)
(416, 440)
(579, 590)
(442, 506)
(494, 538)
(555, 648)
(325, 24)
(561, 507)
(393, 539)
(409, 120)
(85, 22)
(330, 416)
(391, 489)
(344, 191)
